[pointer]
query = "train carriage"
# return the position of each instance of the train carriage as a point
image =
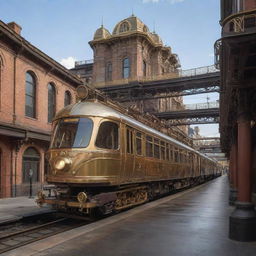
(101, 158)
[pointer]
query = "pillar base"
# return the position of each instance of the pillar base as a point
(254, 198)
(232, 196)
(242, 222)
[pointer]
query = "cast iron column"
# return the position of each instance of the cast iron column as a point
(243, 219)
(233, 174)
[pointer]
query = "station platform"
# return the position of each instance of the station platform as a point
(12, 209)
(193, 222)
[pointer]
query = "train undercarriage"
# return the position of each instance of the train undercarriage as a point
(93, 201)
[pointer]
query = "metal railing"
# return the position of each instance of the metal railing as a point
(206, 105)
(198, 71)
(83, 62)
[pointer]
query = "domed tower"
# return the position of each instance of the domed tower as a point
(131, 53)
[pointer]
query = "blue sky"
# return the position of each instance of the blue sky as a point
(62, 28)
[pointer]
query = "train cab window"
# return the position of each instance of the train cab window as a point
(107, 136)
(72, 133)
(138, 143)
(163, 155)
(149, 146)
(156, 148)
(129, 141)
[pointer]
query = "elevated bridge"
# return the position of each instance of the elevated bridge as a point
(201, 113)
(185, 82)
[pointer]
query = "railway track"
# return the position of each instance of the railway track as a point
(20, 233)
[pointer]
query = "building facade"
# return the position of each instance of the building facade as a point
(236, 58)
(131, 53)
(33, 87)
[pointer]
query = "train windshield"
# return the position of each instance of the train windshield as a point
(72, 133)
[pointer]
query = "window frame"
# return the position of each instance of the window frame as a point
(67, 93)
(108, 70)
(139, 137)
(34, 97)
(97, 132)
(126, 66)
(54, 100)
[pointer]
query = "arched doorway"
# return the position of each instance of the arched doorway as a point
(30, 167)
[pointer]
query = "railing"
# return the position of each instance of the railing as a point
(173, 75)
(214, 104)
(198, 71)
(83, 62)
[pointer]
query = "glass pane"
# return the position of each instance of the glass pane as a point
(138, 146)
(149, 147)
(126, 68)
(107, 136)
(51, 102)
(72, 133)
(29, 89)
(156, 151)
(29, 78)
(67, 100)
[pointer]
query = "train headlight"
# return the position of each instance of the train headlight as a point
(61, 164)
(81, 197)
(82, 92)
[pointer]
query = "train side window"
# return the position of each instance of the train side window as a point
(149, 146)
(138, 143)
(176, 155)
(163, 155)
(167, 152)
(171, 153)
(107, 136)
(156, 148)
(129, 141)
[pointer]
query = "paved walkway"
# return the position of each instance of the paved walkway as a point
(15, 208)
(194, 222)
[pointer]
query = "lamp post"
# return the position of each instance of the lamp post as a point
(30, 182)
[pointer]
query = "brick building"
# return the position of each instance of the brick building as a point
(236, 57)
(130, 53)
(32, 88)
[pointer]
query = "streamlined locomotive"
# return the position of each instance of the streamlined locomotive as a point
(103, 159)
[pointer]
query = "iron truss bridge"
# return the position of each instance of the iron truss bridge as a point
(202, 113)
(186, 82)
(194, 120)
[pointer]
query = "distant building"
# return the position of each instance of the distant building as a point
(32, 88)
(130, 53)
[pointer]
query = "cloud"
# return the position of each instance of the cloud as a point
(157, 1)
(68, 62)
(211, 55)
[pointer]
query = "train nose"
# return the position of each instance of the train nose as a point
(62, 163)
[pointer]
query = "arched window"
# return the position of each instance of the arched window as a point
(51, 102)
(124, 27)
(30, 165)
(144, 68)
(30, 94)
(126, 68)
(67, 98)
(109, 71)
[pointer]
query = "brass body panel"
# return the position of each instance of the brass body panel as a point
(97, 167)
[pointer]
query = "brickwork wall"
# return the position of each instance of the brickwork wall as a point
(249, 4)
(12, 111)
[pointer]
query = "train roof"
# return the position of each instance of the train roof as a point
(96, 108)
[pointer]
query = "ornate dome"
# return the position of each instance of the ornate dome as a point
(156, 38)
(131, 24)
(101, 33)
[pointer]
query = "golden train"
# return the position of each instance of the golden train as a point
(103, 160)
